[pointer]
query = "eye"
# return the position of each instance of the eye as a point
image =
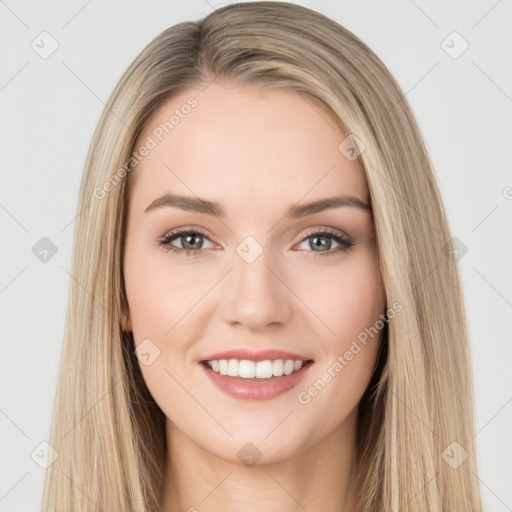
(322, 239)
(190, 240)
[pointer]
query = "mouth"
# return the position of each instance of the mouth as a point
(247, 379)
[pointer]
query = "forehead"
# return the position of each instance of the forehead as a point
(248, 144)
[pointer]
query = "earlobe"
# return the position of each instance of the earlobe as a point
(126, 322)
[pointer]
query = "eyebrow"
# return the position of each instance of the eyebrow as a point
(196, 204)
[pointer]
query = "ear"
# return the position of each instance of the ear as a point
(126, 321)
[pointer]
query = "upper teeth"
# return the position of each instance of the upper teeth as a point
(250, 369)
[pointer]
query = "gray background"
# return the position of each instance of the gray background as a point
(50, 107)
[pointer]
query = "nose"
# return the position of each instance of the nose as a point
(256, 294)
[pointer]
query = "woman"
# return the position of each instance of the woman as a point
(266, 314)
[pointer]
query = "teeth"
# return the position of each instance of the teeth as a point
(263, 369)
(277, 367)
(246, 369)
(288, 366)
(223, 366)
(232, 368)
(249, 369)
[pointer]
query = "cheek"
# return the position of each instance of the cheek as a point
(353, 304)
(160, 299)
(159, 293)
(348, 298)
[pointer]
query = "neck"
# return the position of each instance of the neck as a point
(321, 478)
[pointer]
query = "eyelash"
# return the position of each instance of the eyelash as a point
(345, 242)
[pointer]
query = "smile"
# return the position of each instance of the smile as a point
(250, 380)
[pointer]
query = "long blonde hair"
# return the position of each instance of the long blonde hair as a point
(416, 416)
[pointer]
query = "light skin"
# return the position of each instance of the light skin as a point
(257, 153)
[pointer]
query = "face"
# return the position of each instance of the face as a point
(251, 272)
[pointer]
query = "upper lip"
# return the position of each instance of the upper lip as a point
(249, 355)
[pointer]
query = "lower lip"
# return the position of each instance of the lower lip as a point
(265, 389)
